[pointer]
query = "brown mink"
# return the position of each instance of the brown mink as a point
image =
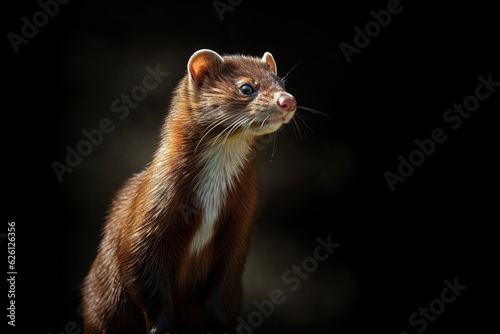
(177, 236)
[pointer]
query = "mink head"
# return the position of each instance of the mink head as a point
(237, 94)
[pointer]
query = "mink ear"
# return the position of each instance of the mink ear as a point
(269, 60)
(200, 63)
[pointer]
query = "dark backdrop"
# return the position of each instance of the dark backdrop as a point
(326, 179)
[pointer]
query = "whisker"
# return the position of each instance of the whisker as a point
(304, 121)
(248, 125)
(262, 124)
(298, 125)
(285, 78)
(275, 147)
(314, 111)
(208, 113)
(232, 128)
(297, 128)
(229, 129)
(211, 127)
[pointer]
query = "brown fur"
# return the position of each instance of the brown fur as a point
(144, 278)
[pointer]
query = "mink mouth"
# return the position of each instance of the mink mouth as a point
(282, 119)
(270, 121)
(254, 126)
(269, 124)
(275, 120)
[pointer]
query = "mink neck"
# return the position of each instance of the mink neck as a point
(182, 175)
(202, 166)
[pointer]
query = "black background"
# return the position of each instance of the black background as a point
(397, 247)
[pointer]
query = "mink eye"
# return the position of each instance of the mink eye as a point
(246, 89)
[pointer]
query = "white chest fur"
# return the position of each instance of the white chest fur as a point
(222, 164)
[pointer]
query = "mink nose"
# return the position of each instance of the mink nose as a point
(287, 102)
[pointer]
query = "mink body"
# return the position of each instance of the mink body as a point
(177, 235)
